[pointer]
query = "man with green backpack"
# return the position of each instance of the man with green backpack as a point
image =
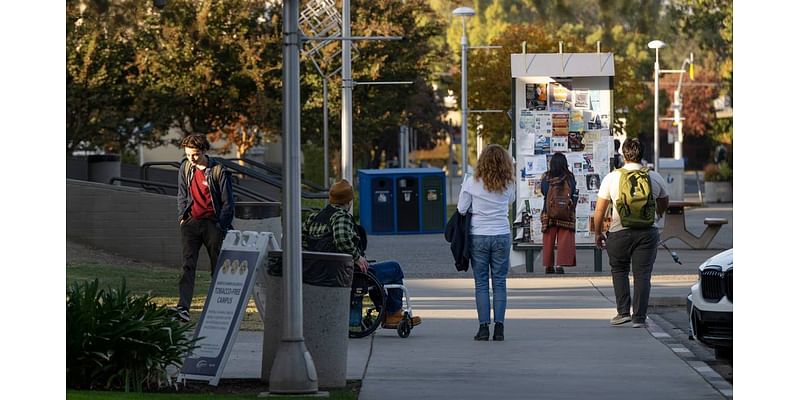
(639, 197)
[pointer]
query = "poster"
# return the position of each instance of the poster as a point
(577, 122)
(542, 145)
(536, 96)
(575, 141)
(559, 144)
(560, 95)
(535, 166)
(583, 207)
(581, 97)
(592, 182)
(526, 137)
(560, 123)
(575, 163)
(542, 124)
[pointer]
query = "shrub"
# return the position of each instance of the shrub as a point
(116, 340)
(721, 172)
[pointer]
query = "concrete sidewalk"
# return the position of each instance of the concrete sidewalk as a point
(559, 344)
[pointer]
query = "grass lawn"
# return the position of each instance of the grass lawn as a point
(162, 283)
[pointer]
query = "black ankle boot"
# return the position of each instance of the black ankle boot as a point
(483, 332)
(498, 331)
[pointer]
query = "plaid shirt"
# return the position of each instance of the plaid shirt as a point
(345, 236)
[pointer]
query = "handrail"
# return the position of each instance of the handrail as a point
(279, 173)
(159, 187)
(270, 180)
(249, 172)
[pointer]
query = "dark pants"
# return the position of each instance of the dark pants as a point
(389, 272)
(632, 250)
(196, 233)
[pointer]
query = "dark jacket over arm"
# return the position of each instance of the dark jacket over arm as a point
(457, 234)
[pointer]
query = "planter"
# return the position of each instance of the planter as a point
(718, 192)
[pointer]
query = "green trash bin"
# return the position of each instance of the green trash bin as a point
(433, 206)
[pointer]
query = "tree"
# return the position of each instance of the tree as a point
(380, 110)
(108, 107)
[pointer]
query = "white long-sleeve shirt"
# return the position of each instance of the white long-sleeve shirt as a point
(489, 209)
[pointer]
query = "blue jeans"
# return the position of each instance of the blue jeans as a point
(490, 254)
(387, 272)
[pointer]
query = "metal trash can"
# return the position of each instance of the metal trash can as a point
(407, 204)
(672, 172)
(103, 167)
(402, 200)
(433, 206)
(327, 278)
(258, 216)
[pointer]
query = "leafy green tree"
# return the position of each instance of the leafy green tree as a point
(108, 106)
(380, 110)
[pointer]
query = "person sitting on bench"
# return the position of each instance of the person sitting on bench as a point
(333, 230)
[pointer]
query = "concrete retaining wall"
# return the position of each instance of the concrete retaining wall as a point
(126, 221)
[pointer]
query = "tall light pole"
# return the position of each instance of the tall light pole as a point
(464, 13)
(293, 370)
(655, 44)
(678, 104)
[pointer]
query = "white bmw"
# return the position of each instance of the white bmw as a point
(710, 304)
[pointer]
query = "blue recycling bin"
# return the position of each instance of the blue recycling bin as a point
(402, 200)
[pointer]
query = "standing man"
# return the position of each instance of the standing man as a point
(205, 212)
(637, 195)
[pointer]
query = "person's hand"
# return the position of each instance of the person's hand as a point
(600, 240)
(362, 264)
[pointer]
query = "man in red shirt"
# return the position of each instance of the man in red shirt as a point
(205, 212)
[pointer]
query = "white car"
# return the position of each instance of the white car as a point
(710, 304)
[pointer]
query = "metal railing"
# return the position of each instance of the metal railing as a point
(158, 187)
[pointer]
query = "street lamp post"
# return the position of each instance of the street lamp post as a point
(464, 13)
(677, 101)
(655, 44)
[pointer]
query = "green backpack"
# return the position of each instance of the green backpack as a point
(636, 205)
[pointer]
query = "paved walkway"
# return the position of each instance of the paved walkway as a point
(559, 344)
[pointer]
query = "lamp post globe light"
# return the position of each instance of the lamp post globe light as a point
(655, 44)
(464, 13)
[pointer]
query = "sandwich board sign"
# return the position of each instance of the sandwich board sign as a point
(240, 257)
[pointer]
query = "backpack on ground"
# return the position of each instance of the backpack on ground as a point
(559, 199)
(636, 205)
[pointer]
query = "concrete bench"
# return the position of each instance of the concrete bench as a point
(532, 249)
(677, 230)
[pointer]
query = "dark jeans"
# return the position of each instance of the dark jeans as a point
(196, 233)
(389, 272)
(632, 250)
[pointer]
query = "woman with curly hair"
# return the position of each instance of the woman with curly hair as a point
(487, 194)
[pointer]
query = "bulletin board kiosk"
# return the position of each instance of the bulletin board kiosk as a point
(562, 102)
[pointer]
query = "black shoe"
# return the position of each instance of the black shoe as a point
(559, 271)
(498, 332)
(483, 332)
(549, 270)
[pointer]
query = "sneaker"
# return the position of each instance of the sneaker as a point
(483, 332)
(549, 270)
(498, 332)
(620, 319)
(640, 324)
(559, 271)
(181, 313)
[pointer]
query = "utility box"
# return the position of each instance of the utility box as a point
(402, 200)
(672, 172)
